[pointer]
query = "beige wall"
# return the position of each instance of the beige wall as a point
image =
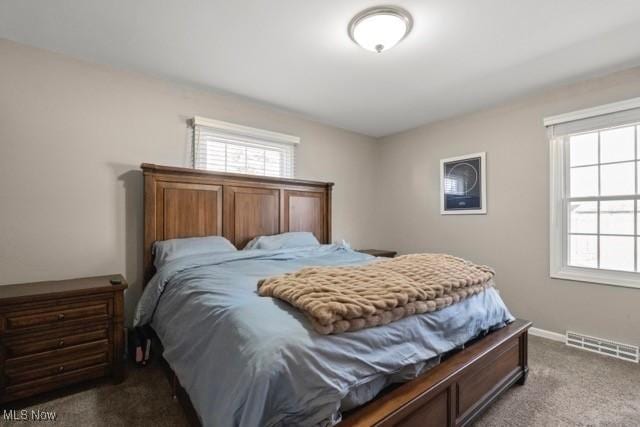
(514, 235)
(72, 136)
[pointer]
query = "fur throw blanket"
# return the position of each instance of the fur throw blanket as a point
(340, 299)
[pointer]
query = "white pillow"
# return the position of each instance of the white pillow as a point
(293, 239)
(168, 250)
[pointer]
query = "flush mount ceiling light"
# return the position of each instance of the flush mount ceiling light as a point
(380, 28)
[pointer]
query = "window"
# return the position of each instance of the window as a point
(595, 194)
(226, 147)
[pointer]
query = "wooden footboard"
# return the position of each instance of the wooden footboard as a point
(456, 391)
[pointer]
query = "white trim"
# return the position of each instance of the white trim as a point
(625, 279)
(556, 206)
(261, 134)
(483, 183)
(586, 113)
(543, 333)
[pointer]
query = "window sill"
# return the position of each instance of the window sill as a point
(602, 277)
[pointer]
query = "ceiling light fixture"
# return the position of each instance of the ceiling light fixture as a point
(380, 28)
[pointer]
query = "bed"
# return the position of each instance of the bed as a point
(239, 359)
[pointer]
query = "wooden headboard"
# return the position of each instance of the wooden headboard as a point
(182, 202)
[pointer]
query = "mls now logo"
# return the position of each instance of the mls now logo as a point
(28, 415)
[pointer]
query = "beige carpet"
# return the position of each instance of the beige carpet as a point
(566, 387)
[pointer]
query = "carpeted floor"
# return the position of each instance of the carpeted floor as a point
(566, 387)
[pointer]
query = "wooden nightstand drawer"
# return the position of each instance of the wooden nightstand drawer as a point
(30, 388)
(34, 361)
(58, 314)
(54, 339)
(54, 366)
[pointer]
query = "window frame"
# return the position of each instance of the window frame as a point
(245, 136)
(559, 219)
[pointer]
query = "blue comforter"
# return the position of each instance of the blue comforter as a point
(247, 360)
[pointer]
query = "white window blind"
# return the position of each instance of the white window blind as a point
(595, 194)
(227, 147)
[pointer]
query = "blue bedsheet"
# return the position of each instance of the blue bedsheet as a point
(247, 360)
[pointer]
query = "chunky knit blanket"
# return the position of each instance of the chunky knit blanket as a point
(340, 299)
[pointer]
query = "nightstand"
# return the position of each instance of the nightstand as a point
(379, 252)
(53, 334)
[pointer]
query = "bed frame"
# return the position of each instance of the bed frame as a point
(181, 202)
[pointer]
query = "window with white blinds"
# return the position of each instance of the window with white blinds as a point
(595, 194)
(227, 147)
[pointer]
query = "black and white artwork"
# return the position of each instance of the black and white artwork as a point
(463, 185)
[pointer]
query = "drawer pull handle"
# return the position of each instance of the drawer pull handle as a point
(61, 316)
(61, 368)
(60, 343)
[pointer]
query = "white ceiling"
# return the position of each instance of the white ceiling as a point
(296, 54)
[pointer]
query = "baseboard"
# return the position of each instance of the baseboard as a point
(543, 333)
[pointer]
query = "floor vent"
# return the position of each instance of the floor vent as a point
(627, 352)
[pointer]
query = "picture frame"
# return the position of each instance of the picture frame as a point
(463, 185)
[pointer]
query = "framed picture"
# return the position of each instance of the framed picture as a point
(463, 185)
